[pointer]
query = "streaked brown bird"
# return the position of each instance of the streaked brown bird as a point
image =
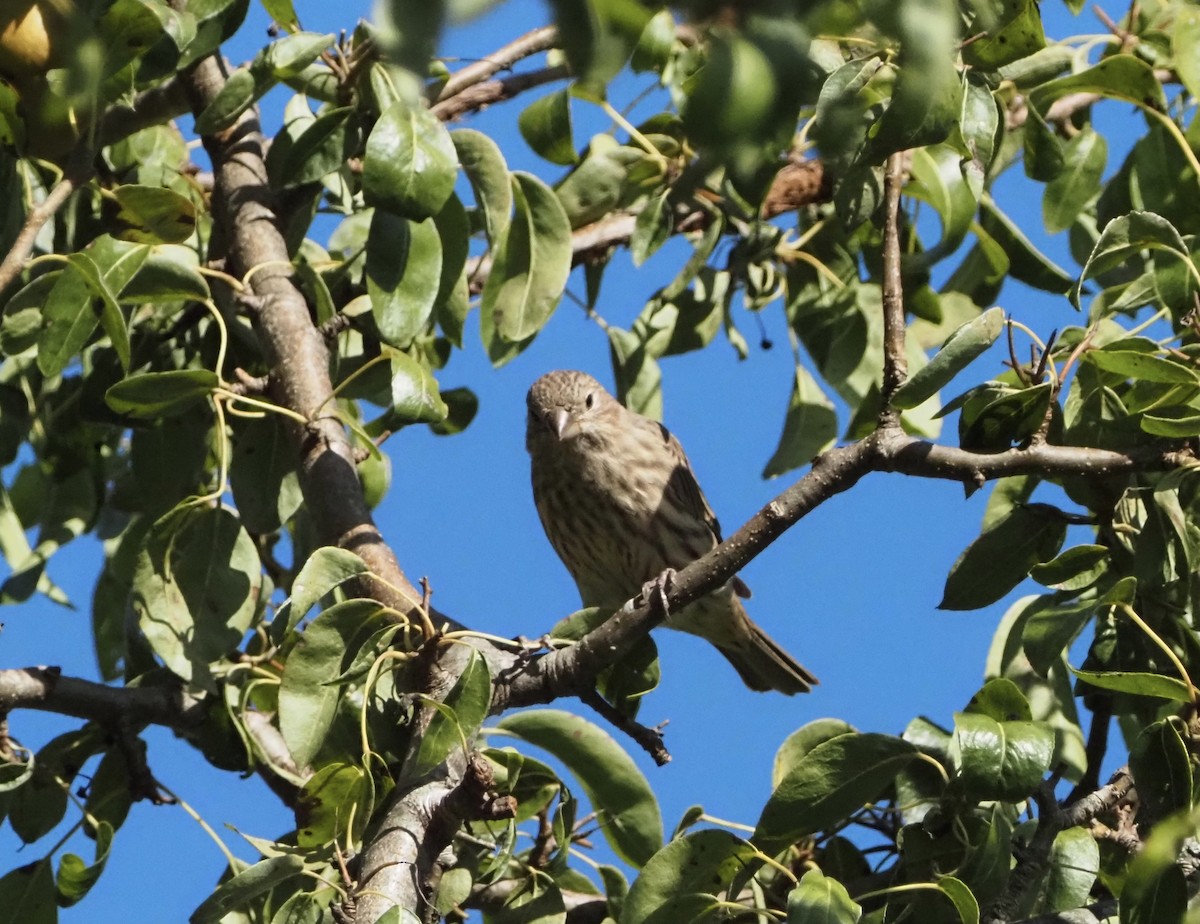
(620, 505)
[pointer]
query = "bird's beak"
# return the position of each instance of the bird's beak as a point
(563, 423)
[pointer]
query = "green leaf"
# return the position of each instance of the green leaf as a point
(1185, 48)
(237, 95)
(1159, 760)
(1074, 863)
(410, 164)
(319, 150)
(27, 895)
(999, 760)
(819, 898)
(733, 96)
(1123, 77)
(598, 36)
(652, 228)
(289, 56)
(962, 897)
(1137, 683)
(262, 473)
(487, 172)
(545, 125)
(464, 709)
(1174, 423)
(1027, 263)
(1154, 889)
(169, 272)
(1125, 238)
(1068, 194)
(1001, 699)
(809, 428)
(38, 806)
(325, 569)
(803, 740)
(111, 318)
(1143, 367)
(1049, 629)
(70, 315)
(307, 699)
(404, 272)
(595, 187)
(1017, 35)
(938, 178)
(152, 215)
(613, 783)
(160, 394)
(195, 589)
(532, 262)
(283, 13)
(75, 877)
(169, 459)
(1002, 557)
(451, 302)
(655, 44)
(961, 348)
(829, 782)
(332, 797)
(680, 881)
(415, 397)
(236, 892)
(1074, 569)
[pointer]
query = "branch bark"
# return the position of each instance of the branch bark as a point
(79, 171)
(46, 688)
(243, 205)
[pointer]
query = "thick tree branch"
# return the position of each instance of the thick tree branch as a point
(403, 853)
(244, 208)
(154, 106)
(45, 688)
(1052, 820)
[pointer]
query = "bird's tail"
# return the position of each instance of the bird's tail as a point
(762, 663)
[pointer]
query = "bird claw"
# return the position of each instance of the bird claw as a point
(655, 591)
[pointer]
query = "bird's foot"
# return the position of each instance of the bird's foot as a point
(655, 591)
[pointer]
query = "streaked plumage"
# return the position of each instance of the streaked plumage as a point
(620, 505)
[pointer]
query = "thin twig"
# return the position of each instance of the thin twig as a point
(78, 173)
(480, 95)
(502, 59)
(895, 363)
(649, 739)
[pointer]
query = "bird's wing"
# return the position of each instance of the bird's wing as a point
(685, 493)
(683, 489)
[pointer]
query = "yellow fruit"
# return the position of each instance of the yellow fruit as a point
(30, 36)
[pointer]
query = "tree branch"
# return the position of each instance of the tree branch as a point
(481, 95)
(572, 671)
(79, 171)
(243, 205)
(540, 39)
(895, 364)
(45, 688)
(1052, 820)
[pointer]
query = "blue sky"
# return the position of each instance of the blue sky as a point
(851, 591)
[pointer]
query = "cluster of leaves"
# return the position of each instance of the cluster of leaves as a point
(121, 417)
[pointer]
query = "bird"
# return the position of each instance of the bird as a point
(620, 505)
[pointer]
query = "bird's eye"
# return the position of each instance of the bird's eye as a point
(589, 401)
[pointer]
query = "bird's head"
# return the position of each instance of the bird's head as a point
(565, 404)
